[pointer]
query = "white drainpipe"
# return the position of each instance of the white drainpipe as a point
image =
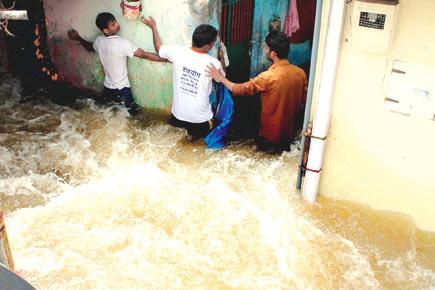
(324, 100)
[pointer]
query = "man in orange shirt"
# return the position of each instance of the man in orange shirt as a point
(283, 91)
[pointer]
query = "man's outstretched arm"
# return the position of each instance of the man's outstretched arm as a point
(251, 87)
(151, 23)
(74, 35)
(148, 55)
(219, 77)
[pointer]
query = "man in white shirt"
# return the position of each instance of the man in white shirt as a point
(191, 108)
(113, 51)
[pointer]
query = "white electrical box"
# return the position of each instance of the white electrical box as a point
(411, 90)
(373, 25)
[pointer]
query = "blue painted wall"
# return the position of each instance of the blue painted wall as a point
(264, 11)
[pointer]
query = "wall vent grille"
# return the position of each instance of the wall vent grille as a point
(372, 20)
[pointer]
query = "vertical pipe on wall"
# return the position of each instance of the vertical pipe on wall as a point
(313, 66)
(324, 101)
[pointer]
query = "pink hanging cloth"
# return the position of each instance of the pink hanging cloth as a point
(292, 20)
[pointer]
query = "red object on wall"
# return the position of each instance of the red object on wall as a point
(236, 19)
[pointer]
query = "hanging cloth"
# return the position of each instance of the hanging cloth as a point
(292, 20)
(223, 116)
(307, 15)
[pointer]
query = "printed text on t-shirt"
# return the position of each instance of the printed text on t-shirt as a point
(189, 81)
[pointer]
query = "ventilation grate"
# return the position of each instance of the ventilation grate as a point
(372, 20)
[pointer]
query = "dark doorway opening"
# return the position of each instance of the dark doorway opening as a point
(236, 33)
(27, 51)
(28, 56)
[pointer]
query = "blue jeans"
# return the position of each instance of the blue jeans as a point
(122, 97)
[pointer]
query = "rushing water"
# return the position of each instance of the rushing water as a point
(97, 200)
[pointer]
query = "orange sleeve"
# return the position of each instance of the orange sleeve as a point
(253, 86)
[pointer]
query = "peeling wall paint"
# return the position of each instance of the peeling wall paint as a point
(264, 11)
(151, 82)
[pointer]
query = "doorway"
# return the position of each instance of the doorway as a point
(244, 25)
(236, 26)
(236, 34)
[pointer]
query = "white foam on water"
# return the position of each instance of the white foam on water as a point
(133, 206)
(139, 219)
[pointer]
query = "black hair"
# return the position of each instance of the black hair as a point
(103, 19)
(278, 42)
(204, 34)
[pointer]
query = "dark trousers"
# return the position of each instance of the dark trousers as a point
(121, 97)
(197, 130)
(267, 146)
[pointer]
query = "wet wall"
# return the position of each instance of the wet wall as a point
(374, 155)
(265, 11)
(151, 82)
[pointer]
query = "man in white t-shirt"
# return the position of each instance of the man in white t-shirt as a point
(113, 51)
(191, 108)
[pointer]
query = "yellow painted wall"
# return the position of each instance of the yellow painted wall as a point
(373, 155)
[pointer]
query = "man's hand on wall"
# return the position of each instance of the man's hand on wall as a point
(150, 22)
(73, 35)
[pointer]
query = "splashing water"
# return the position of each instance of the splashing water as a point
(97, 200)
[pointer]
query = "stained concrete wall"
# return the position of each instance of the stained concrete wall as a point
(373, 155)
(264, 11)
(151, 82)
